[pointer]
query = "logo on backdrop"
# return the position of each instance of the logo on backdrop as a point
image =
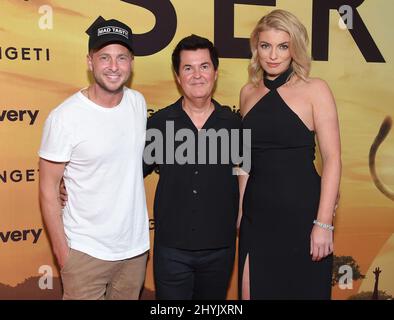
(11, 115)
(25, 54)
(27, 235)
(16, 175)
(351, 19)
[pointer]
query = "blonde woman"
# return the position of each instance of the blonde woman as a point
(286, 211)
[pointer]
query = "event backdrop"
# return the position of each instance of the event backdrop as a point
(43, 49)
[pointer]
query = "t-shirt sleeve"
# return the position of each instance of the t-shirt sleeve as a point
(56, 142)
(143, 107)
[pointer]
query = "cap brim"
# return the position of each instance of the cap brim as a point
(103, 42)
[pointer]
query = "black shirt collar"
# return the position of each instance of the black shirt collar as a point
(177, 111)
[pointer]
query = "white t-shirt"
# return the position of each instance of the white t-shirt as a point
(106, 215)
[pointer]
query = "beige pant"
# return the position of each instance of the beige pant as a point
(88, 278)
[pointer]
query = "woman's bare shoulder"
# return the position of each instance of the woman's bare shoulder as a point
(312, 87)
(247, 89)
(316, 84)
(319, 93)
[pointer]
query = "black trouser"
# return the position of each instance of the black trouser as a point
(192, 274)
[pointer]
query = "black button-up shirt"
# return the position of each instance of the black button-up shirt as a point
(196, 205)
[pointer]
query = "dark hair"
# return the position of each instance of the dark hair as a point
(194, 42)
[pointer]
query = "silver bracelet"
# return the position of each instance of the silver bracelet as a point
(324, 225)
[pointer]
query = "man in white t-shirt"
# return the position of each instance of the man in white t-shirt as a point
(95, 140)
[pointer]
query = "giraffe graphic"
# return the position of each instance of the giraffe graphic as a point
(382, 134)
(375, 295)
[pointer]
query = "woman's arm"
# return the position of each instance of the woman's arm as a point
(327, 130)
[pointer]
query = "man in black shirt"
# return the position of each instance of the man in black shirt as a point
(197, 197)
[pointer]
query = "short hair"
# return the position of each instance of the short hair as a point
(287, 22)
(194, 42)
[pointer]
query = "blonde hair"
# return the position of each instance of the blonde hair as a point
(287, 22)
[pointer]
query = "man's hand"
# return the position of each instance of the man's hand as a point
(63, 196)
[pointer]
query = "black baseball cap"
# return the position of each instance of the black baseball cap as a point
(103, 32)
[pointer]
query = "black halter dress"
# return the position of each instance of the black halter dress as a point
(280, 203)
